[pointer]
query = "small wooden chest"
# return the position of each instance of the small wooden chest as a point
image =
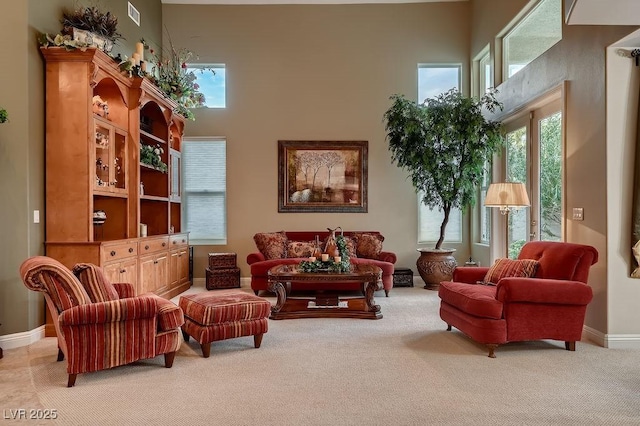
(223, 278)
(222, 260)
(402, 277)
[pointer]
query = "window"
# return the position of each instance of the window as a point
(211, 85)
(485, 212)
(434, 79)
(204, 196)
(484, 67)
(534, 34)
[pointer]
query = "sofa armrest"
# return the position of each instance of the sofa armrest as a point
(469, 274)
(387, 256)
(124, 290)
(255, 257)
(113, 311)
(540, 290)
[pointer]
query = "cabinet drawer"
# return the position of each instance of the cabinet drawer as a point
(117, 251)
(151, 245)
(178, 240)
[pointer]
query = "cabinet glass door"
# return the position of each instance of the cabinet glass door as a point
(102, 144)
(175, 175)
(120, 161)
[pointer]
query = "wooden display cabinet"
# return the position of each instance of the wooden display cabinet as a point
(97, 119)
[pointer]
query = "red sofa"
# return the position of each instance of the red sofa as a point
(549, 305)
(260, 266)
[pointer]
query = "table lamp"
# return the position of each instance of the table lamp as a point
(507, 196)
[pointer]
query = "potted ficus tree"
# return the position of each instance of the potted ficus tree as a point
(444, 144)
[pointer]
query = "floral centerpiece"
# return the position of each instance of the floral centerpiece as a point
(151, 155)
(317, 265)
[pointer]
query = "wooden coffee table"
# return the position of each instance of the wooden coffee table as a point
(326, 301)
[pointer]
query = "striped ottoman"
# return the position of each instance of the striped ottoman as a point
(222, 315)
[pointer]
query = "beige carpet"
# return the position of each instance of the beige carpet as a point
(404, 369)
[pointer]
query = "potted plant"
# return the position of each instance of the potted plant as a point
(444, 144)
(4, 116)
(92, 26)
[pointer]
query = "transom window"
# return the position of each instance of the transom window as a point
(211, 85)
(533, 35)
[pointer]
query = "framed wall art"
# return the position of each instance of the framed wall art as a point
(322, 176)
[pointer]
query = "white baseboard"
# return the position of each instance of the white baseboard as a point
(17, 340)
(612, 341)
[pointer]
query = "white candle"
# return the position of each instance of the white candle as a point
(136, 59)
(140, 50)
(312, 259)
(337, 259)
(325, 257)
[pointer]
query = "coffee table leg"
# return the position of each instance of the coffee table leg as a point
(280, 291)
(369, 289)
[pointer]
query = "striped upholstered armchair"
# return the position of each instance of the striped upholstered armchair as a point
(104, 329)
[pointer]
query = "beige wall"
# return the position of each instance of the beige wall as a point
(22, 138)
(579, 59)
(314, 73)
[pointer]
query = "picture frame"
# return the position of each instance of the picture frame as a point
(322, 176)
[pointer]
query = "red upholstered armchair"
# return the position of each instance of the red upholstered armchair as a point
(549, 305)
(99, 335)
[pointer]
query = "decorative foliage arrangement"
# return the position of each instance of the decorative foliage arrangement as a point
(4, 116)
(444, 144)
(330, 266)
(91, 19)
(151, 156)
(60, 40)
(179, 84)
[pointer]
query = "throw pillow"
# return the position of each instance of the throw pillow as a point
(97, 286)
(503, 268)
(368, 245)
(272, 245)
(300, 248)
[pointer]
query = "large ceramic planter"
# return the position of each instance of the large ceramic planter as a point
(435, 266)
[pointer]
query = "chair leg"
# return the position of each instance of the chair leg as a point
(185, 336)
(448, 327)
(60, 356)
(570, 346)
(206, 349)
(492, 348)
(256, 292)
(168, 359)
(72, 380)
(386, 293)
(257, 339)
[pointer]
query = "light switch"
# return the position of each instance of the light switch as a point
(578, 213)
(36, 216)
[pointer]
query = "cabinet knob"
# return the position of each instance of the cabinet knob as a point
(130, 249)
(175, 242)
(183, 240)
(155, 261)
(122, 271)
(146, 247)
(113, 253)
(164, 244)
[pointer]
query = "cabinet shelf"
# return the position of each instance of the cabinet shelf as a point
(153, 198)
(148, 167)
(154, 138)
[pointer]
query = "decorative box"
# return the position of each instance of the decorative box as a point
(223, 278)
(403, 277)
(222, 260)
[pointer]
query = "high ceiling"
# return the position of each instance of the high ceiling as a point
(299, 1)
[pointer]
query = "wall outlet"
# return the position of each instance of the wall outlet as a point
(578, 213)
(36, 216)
